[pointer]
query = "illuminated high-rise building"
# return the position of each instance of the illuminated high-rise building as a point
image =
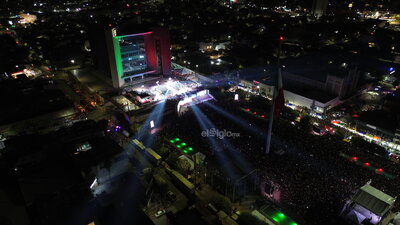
(319, 8)
(128, 54)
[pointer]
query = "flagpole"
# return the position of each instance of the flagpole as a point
(270, 121)
(272, 108)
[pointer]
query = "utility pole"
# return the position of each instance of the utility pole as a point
(272, 108)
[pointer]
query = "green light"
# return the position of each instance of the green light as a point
(190, 149)
(293, 223)
(172, 141)
(185, 151)
(177, 139)
(178, 146)
(281, 215)
(183, 144)
(276, 219)
(118, 60)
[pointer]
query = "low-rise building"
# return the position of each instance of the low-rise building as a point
(368, 205)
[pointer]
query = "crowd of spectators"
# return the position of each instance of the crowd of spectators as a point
(315, 180)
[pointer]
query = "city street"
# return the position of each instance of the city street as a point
(93, 80)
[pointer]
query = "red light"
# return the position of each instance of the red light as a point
(355, 115)
(354, 158)
(380, 170)
(262, 116)
(255, 113)
(367, 164)
(247, 109)
(281, 38)
(110, 25)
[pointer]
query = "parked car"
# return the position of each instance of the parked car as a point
(160, 213)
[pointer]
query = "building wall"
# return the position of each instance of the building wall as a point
(350, 83)
(99, 51)
(151, 55)
(340, 86)
(163, 48)
(111, 42)
(333, 85)
(293, 98)
(317, 106)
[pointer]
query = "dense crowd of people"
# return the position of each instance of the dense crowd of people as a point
(315, 180)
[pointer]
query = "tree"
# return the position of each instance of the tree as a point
(358, 141)
(220, 201)
(183, 165)
(396, 83)
(289, 114)
(305, 123)
(163, 151)
(172, 158)
(135, 127)
(340, 132)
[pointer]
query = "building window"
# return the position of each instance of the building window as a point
(133, 55)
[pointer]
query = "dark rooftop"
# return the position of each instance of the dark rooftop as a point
(267, 75)
(317, 65)
(314, 94)
(24, 99)
(187, 216)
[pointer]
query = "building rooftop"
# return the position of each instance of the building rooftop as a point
(24, 98)
(132, 26)
(312, 68)
(267, 75)
(374, 200)
(331, 60)
(314, 94)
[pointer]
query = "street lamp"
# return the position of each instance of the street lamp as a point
(72, 61)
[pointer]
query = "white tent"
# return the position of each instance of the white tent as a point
(355, 217)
